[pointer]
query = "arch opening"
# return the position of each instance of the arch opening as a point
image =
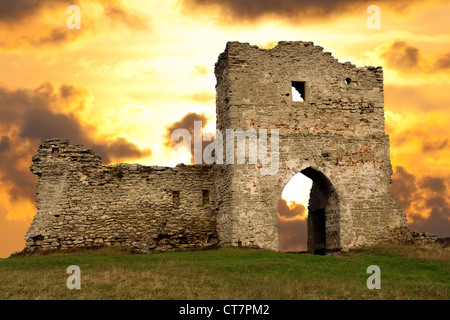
(315, 227)
(293, 213)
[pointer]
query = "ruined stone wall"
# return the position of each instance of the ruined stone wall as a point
(337, 131)
(335, 136)
(82, 203)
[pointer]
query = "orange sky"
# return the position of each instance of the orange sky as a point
(135, 68)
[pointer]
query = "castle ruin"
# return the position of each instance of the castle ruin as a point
(335, 136)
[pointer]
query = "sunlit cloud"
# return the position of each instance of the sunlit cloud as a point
(407, 58)
(19, 20)
(29, 117)
(186, 123)
(424, 199)
(292, 229)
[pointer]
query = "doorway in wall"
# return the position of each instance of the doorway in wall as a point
(308, 214)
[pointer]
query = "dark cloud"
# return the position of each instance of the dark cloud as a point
(20, 19)
(44, 124)
(402, 56)
(118, 150)
(298, 210)
(292, 233)
(295, 11)
(434, 184)
(67, 91)
(443, 62)
(403, 187)
(29, 117)
(18, 182)
(16, 10)
(187, 122)
(419, 194)
(438, 222)
(436, 202)
(435, 145)
(56, 36)
(5, 144)
(116, 13)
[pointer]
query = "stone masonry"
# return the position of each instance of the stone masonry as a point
(83, 204)
(335, 136)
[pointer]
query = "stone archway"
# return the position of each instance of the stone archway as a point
(323, 214)
(323, 221)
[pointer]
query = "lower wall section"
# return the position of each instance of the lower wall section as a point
(84, 204)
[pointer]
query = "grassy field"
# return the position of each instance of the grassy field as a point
(230, 273)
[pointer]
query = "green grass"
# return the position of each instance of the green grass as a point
(230, 273)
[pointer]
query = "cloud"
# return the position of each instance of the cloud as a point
(17, 10)
(165, 68)
(425, 200)
(27, 117)
(11, 235)
(402, 56)
(407, 58)
(417, 121)
(292, 227)
(202, 97)
(25, 23)
(30, 116)
(404, 187)
(443, 62)
(294, 11)
(118, 150)
(55, 36)
(200, 70)
(292, 235)
(187, 122)
(116, 13)
(432, 141)
(438, 222)
(436, 145)
(294, 210)
(434, 184)
(17, 180)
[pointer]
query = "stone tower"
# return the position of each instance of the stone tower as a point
(335, 136)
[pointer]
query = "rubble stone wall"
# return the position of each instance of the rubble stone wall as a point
(82, 203)
(336, 136)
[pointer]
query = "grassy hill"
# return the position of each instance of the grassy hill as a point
(230, 273)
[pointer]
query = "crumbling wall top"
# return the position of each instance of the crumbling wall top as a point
(54, 152)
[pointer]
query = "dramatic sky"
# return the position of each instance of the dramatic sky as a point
(137, 68)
